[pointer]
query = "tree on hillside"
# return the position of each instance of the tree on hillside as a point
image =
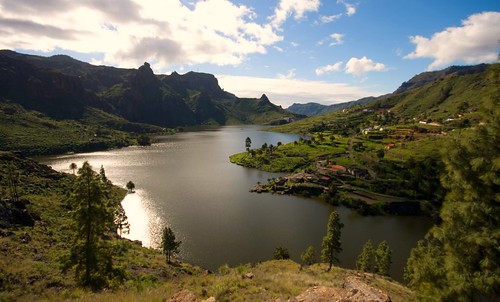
(130, 186)
(281, 253)
(121, 221)
(91, 211)
(365, 259)
(383, 259)
(459, 260)
(309, 256)
(73, 167)
(248, 144)
(168, 243)
(331, 242)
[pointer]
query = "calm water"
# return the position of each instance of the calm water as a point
(187, 182)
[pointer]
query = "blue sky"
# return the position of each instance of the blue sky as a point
(325, 51)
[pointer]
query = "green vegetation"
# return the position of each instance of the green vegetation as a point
(458, 260)
(281, 253)
(168, 244)
(383, 256)
(382, 157)
(331, 245)
(34, 133)
(309, 256)
(365, 259)
(377, 261)
(37, 232)
(93, 217)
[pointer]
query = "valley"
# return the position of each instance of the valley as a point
(390, 158)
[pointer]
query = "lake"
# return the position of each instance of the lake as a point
(186, 182)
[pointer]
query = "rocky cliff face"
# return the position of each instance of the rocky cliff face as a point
(63, 87)
(58, 95)
(143, 98)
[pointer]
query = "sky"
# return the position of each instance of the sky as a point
(294, 51)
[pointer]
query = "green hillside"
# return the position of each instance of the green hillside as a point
(34, 133)
(382, 157)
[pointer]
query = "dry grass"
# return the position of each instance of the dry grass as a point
(272, 279)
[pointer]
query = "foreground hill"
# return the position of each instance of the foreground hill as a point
(36, 233)
(40, 94)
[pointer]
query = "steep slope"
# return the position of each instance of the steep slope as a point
(55, 94)
(448, 98)
(142, 97)
(49, 84)
(451, 99)
(46, 102)
(425, 78)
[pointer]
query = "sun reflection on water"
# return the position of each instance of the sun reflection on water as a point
(144, 224)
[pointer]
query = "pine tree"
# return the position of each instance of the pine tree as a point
(281, 253)
(90, 254)
(365, 259)
(169, 245)
(308, 257)
(383, 256)
(331, 242)
(121, 221)
(459, 260)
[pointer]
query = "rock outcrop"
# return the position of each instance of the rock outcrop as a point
(352, 290)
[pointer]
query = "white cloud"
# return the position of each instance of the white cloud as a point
(329, 68)
(350, 9)
(294, 44)
(126, 33)
(476, 41)
(337, 39)
(329, 19)
(298, 8)
(361, 66)
(285, 92)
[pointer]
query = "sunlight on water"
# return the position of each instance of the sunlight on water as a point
(143, 223)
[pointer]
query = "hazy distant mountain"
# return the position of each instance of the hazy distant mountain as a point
(62, 87)
(311, 109)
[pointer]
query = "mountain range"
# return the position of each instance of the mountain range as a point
(58, 104)
(63, 88)
(422, 80)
